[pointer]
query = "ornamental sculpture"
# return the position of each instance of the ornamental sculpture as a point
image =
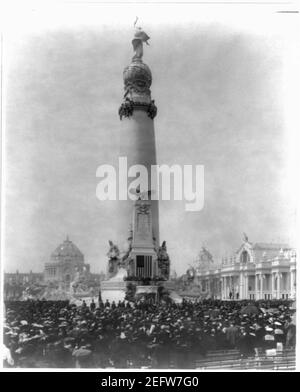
(137, 79)
(163, 260)
(113, 258)
(127, 107)
(139, 37)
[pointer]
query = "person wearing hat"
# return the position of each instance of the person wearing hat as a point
(269, 339)
(290, 330)
(92, 305)
(246, 342)
(259, 331)
(232, 335)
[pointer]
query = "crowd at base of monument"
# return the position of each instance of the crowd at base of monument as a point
(57, 334)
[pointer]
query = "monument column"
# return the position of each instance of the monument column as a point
(137, 137)
(137, 145)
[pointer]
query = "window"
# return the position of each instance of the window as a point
(245, 258)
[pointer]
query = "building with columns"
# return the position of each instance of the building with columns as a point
(66, 262)
(255, 271)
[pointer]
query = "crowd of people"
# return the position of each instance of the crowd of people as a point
(58, 334)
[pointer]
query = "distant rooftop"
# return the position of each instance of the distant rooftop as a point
(271, 246)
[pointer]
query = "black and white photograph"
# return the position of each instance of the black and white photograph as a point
(149, 186)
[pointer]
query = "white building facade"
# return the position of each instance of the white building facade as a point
(256, 271)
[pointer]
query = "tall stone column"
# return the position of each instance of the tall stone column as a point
(138, 153)
(257, 293)
(137, 137)
(292, 284)
(261, 285)
(227, 286)
(278, 285)
(241, 286)
(276, 280)
(246, 286)
(222, 287)
(273, 285)
(138, 146)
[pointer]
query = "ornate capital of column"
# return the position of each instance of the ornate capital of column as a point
(128, 106)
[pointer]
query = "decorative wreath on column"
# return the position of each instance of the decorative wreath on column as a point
(127, 107)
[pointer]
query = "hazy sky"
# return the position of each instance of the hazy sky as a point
(220, 92)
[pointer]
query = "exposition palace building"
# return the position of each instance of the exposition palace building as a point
(65, 262)
(255, 271)
(66, 266)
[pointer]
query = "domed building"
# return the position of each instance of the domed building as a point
(66, 264)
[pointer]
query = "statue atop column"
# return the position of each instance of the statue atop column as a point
(163, 260)
(139, 37)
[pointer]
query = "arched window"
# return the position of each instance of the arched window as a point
(245, 258)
